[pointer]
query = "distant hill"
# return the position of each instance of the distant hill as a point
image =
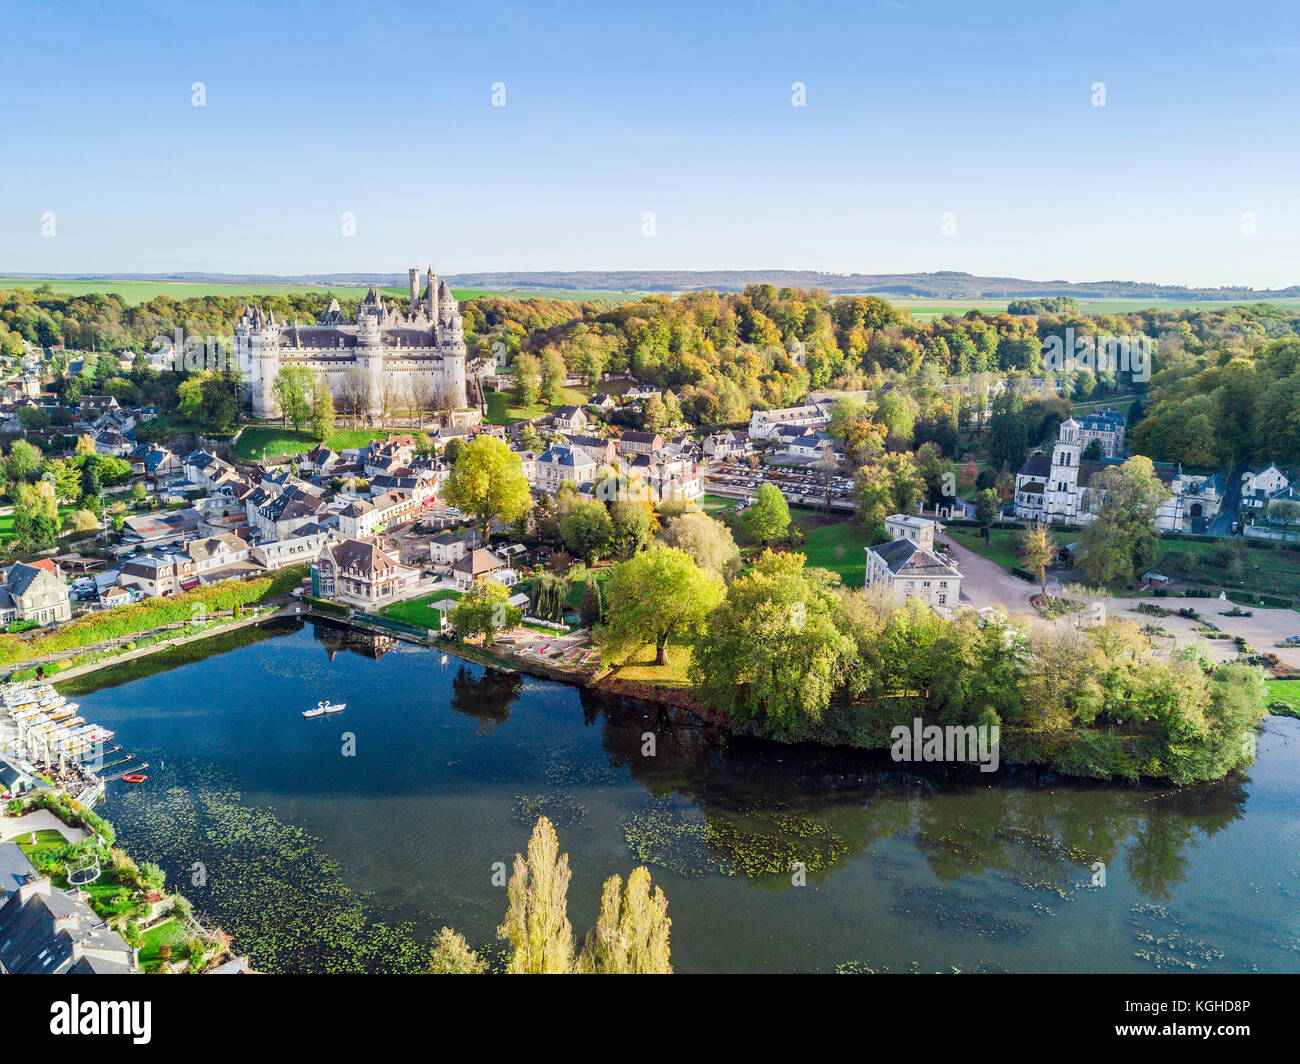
(944, 284)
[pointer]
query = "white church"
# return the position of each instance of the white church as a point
(1055, 489)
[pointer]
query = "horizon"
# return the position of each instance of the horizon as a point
(897, 137)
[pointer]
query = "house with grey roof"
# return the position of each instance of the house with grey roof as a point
(34, 592)
(562, 464)
(909, 565)
(46, 931)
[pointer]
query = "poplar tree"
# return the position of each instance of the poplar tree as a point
(322, 411)
(537, 924)
(631, 933)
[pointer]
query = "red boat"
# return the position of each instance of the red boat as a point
(135, 777)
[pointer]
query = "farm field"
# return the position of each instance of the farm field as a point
(927, 309)
(136, 292)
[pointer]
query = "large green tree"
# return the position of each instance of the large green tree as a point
(653, 596)
(768, 516)
(1120, 541)
(488, 481)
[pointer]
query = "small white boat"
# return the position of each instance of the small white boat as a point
(317, 712)
(330, 707)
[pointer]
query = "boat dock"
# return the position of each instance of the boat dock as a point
(46, 734)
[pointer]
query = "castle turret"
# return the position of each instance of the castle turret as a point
(257, 349)
(431, 296)
(414, 274)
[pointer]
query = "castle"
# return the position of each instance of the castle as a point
(383, 357)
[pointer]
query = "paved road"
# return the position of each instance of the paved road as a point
(37, 820)
(985, 583)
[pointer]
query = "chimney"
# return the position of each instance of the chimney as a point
(414, 274)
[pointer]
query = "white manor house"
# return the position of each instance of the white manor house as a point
(383, 350)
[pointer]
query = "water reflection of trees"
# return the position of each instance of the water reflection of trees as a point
(486, 697)
(1035, 828)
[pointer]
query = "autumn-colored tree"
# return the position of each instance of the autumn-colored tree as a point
(1035, 549)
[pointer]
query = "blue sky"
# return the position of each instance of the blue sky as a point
(683, 110)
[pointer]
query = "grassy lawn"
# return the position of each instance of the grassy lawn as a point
(839, 547)
(642, 669)
(1232, 565)
(253, 442)
(418, 611)
(168, 933)
(1001, 547)
(503, 411)
(1287, 691)
(47, 839)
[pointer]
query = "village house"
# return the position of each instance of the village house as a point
(447, 548)
(49, 931)
(762, 423)
(599, 448)
(729, 444)
(361, 573)
(112, 442)
(571, 418)
(276, 517)
(909, 565)
(602, 404)
(665, 478)
(482, 564)
(562, 464)
(302, 545)
(360, 518)
(1258, 489)
(212, 553)
(634, 442)
(160, 464)
(158, 574)
(34, 592)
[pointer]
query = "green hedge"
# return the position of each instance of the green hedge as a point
(326, 606)
(152, 613)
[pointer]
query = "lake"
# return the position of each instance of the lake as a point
(344, 843)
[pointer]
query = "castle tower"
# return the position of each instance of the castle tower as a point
(257, 349)
(370, 352)
(414, 275)
(431, 296)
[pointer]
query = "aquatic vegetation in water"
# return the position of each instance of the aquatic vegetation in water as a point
(1165, 942)
(265, 882)
(664, 835)
(569, 765)
(563, 810)
(759, 841)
